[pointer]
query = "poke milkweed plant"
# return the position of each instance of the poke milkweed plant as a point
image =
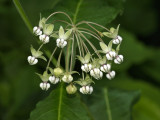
(94, 65)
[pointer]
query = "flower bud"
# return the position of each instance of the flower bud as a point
(57, 72)
(110, 55)
(86, 67)
(44, 38)
(32, 60)
(117, 40)
(53, 79)
(44, 86)
(71, 89)
(118, 59)
(105, 68)
(37, 31)
(86, 89)
(61, 43)
(111, 75)
(67, 78)
(96, 73)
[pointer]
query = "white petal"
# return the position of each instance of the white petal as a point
(47, 86)
(119, 37)
(87, 89)
(35, 28)
(91, 89)
(81, 90)
(101, 74)
(83, 68)
(29, 58)
(91, 73)
(108, 76)
(35, 61)
(65, 43)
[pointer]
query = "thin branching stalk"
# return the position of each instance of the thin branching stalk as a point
(59, 59)
(51, 58)
(91, 32)
(78, 44)
(91, 35)
(62, 21)
(60, 13)
(40, 47)
(87, 22)
(93, 47)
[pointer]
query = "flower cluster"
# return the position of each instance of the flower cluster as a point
(67, 38)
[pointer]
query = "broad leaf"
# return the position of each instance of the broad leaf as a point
(59, 106)
(112, 104)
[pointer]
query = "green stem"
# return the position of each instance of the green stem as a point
(71, 63)
(93, 47)
(23, 15)
(51, 58)
(107, 104)
(59, 59)
(68, 56)
(40, 47)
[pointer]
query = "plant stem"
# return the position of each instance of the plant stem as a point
(51, 58)
(93, 33)
(78, 45)
(72, 54)
(91, 45)
(40, 47)
(59, 59)
(60, 13)
(68, 56)
(107, 104)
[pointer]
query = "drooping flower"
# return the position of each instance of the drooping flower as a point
(62, 40)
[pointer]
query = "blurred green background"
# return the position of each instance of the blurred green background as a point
(19, 86)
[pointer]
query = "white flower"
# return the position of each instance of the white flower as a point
(110, 55)
(105, 68)
(118, 59)
(44, 86)
(117, 40)
(37, 31)
(53, 79)
(86, 89)
(86, 67)
(96, 73)
(67, 78)
(61, 42)
(44, 38)
(111, 75)
(32, 60)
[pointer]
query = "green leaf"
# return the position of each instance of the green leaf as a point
(48, 29)
(54, 35)
(61, 32)
(67, 34)
(44, 77)
(104, 47)
(43, 58)
(87, 58)
(42, 22)
(148, 106)
(81, 59)
(33, 51)
(59, 106)
(112, 104)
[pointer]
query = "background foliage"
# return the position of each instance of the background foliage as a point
(137, 78)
